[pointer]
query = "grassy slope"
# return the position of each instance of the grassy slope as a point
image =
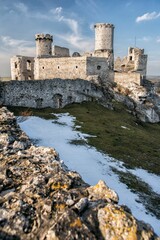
(136, 146)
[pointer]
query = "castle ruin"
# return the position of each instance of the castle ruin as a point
(58, 63)
(54, 78)
(97, 66)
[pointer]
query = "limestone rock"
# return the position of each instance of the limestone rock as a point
(102, 191)
(41, 199)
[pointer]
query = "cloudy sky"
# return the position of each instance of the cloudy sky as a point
(71, 24)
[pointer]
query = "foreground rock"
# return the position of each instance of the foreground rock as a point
(41, 199)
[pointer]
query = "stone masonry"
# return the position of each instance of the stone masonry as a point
(49, 93)
(50, 64)
(97, 66)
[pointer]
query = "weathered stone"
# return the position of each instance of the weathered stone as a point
(41, 199)
(82, 204)
(101, 191)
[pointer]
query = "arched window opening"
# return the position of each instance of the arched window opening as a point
(28, 65)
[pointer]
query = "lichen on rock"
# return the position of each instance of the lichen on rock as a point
(41, 199)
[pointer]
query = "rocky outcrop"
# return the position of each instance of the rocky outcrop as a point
(142, 101)
(41, 199)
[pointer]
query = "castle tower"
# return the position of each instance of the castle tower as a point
(43, 45)
(104, 35)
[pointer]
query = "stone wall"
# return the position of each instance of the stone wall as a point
(49, 93)
(22, 68)
(104, 36)
(60, 51)
(70, 68)
(126, 79)
(43, 45)
(135, 61)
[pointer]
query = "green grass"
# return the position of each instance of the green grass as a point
(137, 146)
(146, 195)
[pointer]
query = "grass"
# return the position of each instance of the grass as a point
(146, 195)
(137, 145)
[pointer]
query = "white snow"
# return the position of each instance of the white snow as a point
(91, 164)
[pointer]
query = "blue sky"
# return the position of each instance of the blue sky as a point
(71, 24)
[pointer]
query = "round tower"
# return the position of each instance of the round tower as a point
(43, 45)
(104, 33)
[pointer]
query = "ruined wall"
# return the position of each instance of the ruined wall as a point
(71, 68)
(48, 93)
(22, 68)
(135, 61)
(126, 79)
(60, 51)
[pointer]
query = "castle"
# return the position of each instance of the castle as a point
(97, 66)
(54, 78)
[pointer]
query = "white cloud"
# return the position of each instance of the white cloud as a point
(148, 17)
(58, 10)
(22, 7)
(128, 4)
(158, 40)
(72, 23)
(77, 43)
(145, 39)
(8, 41)
(91, 26)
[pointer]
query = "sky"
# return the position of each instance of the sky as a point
(71, 22)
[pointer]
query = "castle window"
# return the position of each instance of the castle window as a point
(42, 67)
(58, 67)
(15, 65)
(130, 58)
(16, 78)
(28, 65)
(98, 67)
(76, 66)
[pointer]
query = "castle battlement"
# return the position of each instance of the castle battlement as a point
(41, 36)
(103, 25)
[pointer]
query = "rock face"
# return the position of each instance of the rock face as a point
(142, 101)
(41, 199)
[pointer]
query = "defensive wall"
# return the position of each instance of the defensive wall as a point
(53, 93)
(126, 79)
(71, 68)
